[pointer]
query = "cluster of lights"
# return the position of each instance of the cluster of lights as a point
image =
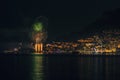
(97, 44)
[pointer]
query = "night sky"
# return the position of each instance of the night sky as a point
(64, 16)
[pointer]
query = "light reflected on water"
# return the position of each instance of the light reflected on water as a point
(37, 68)
(73, 68)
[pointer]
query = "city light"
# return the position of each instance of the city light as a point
(105, 43)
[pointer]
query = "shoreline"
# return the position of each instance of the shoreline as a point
(59, 54)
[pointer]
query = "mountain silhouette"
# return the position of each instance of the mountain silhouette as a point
(107, 21)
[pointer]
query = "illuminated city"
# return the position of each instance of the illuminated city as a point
(103, 43)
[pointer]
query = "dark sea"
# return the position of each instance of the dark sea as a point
(59, 67)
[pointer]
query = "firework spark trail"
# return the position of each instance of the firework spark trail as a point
(39, 33)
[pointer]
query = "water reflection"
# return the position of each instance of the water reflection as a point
(74, 68)
(37, 72)
(98, 68)
(22, 67)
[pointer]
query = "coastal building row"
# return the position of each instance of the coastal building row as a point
(102, 43)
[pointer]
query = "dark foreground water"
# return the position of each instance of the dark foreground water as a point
(34, 67)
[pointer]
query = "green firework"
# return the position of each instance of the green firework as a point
(38, 26)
